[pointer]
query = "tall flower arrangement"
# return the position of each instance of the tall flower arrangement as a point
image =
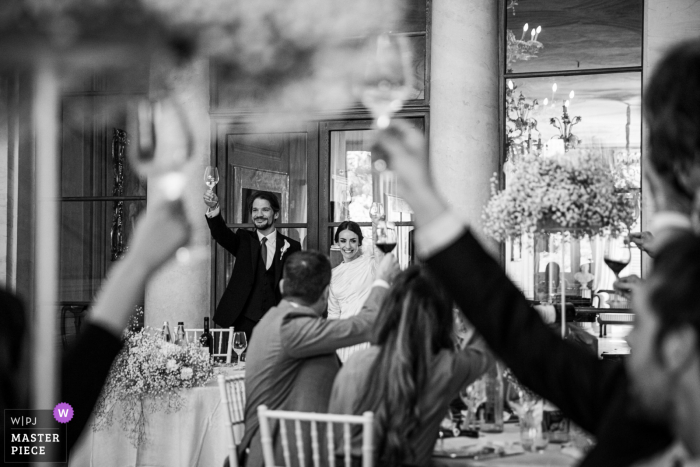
(147, 377)
(575, 192)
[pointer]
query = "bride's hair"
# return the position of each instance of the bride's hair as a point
(352, 227)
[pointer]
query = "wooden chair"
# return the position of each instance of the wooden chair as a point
(223, 340)
(232, 389)
(366, 420)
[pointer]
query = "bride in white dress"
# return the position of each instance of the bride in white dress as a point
(352, 279)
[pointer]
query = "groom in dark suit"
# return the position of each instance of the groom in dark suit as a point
(260, 255)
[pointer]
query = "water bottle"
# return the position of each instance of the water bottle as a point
(492, 413)
(165, 332)
(180, 336)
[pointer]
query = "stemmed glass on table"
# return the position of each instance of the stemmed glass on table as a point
(529, 408)
(240, 343)
(473, 396)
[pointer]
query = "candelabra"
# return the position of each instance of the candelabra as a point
(520, 123)
(564, 126)
(522, 49)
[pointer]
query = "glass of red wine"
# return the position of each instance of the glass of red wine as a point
(617, 252)
(386, 235)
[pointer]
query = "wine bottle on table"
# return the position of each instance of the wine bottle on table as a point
(206, 339)
(165, 332)
(180, 336)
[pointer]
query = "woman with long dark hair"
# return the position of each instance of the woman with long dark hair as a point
(410, 373)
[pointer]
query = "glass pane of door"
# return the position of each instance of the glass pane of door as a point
(353, 186)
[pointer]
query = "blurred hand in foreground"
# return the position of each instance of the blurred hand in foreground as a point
(388, 268)
(159, 233)
(643, 240)
(404, 149)
(625, 286)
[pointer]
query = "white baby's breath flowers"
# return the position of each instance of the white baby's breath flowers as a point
(575, 192)
(147, 376)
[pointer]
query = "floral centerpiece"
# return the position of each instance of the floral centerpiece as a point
(147, 376)
(574, 192)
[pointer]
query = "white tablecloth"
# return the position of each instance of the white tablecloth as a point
(552, 456)
(193, 436)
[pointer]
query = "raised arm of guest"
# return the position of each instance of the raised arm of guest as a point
(592, 394)
(224, 236)
(304, 335)
(86, 365)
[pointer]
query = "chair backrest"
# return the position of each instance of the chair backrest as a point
(366, 420)
(223, 340)
(232, 389)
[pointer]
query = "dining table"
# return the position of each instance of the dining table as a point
(448, 452)
(194, 436)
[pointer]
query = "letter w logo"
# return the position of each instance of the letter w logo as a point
(63, 412)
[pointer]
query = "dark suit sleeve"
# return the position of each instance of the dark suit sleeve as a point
(307, 336)
(224, 236)
(537, 356)
(84, 370)
(593, 393)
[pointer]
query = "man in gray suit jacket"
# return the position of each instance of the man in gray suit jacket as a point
(292, 359)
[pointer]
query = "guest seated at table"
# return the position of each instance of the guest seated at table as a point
(86, 365)
(592, 393)
(292, 359)
(410, 374)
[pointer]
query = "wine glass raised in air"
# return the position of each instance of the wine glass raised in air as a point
(617, 254)
(211, 177)
(240, 343)
(386, 236)
(387, 77)
(386, 82)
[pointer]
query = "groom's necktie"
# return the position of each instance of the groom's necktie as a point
(263, 251)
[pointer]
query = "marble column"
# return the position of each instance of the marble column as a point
(464, 142)
(181, 292)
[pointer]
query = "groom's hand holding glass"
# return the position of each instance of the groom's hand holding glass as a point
(210, 199)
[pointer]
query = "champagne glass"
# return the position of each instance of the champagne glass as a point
(240, 343)
(386, 236)
(617, 254)
(387, 79)
(211, 177)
